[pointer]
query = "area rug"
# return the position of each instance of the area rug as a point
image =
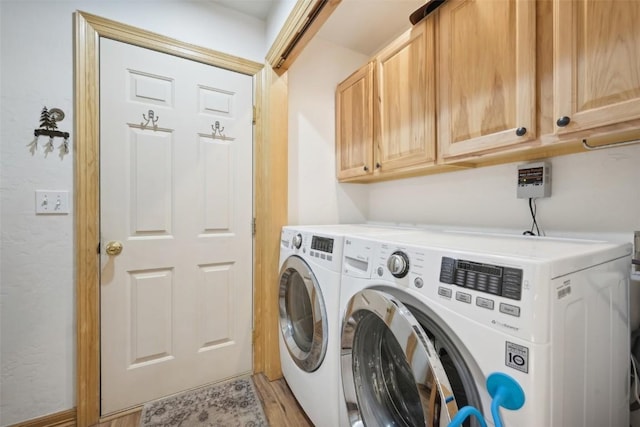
(233, 403)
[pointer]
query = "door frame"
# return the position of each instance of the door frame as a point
(270, 194)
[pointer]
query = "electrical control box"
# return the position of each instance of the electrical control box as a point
(534, 180)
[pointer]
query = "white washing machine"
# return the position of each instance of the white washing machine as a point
(310, 322)
(429, 316)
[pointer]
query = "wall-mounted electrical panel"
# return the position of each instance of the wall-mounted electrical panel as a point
(534, 180)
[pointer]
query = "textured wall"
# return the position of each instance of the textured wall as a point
(37, 348)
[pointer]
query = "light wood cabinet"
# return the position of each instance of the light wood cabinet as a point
(354, 124)
(405, 122)
(486, 76)
(493, 81)
(597, 63)
(398, 90)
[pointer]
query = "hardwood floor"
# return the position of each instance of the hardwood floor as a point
(280, 407)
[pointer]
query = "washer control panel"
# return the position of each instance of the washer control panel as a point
(489, 278)
(491, 290)
(312, 246)
(322, 244)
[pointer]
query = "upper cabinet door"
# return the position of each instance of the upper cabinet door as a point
(354, 124)
(486, 75)
(597, 63)
(405, 101)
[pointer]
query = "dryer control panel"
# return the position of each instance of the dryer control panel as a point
(489, 278)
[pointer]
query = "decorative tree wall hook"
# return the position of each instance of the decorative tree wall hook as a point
(217, 129)
(152, 118)
(48, 126)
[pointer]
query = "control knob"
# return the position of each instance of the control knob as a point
(398, 264)
(297, 241)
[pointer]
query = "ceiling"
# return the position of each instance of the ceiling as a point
(367, 25)
(256, 8)
(360, 25)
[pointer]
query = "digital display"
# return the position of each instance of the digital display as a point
(531, 176)
(322, 244)
(489, 278)
(480, 268)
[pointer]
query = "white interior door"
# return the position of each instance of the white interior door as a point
(176, 303)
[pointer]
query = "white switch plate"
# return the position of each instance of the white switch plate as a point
(52, 202)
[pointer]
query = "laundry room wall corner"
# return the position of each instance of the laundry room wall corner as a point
(315, 196)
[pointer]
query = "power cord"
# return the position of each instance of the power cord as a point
(534, 224)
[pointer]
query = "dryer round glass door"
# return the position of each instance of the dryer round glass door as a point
(303, 319)
(391, 372)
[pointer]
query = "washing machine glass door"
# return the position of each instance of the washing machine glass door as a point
(391, 373)
(303, 319)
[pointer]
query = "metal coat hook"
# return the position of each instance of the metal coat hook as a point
(152, 118)
(217, 129)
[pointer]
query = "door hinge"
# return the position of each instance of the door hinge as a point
(98, 249)
(253, 226)
(254, 115)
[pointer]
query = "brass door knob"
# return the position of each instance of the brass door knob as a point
(114, 248)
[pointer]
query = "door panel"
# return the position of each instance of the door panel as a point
(215, 290)
(151, 313)
(405, 99)
(151, 177)
(216, 183)
(354, 124)
(596, 77)
(176, 190)
(486, 65)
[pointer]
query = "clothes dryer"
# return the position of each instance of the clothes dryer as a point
(309, 339)
(427, 317)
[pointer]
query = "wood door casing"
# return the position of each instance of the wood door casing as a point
(405, 125)
(597, 63)
(354, 124)
(486, 75)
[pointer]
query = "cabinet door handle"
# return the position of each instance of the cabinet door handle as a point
(366, 169)
(521, 131)
(563, 121)
(378, 165)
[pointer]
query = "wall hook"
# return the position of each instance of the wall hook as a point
(64, 147)
(152, 118)
(49, 127)
(217, 129)
(48, 147)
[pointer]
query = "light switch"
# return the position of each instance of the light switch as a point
(52, 202)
